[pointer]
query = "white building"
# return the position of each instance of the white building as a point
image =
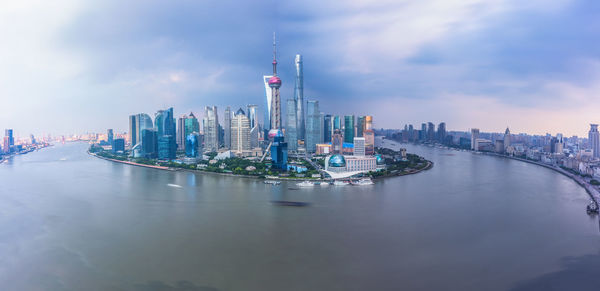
(359, 146)
(240, 133)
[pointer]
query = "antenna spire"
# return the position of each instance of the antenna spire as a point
(274, 56)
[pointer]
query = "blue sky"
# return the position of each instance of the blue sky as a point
(73, 66)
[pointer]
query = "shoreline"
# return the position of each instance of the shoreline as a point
(589, 189)
(592, 192)
(427, 167)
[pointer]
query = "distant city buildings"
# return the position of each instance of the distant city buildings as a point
(594, 139)
(211, 129)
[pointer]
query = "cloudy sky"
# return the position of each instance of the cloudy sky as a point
(76, 66)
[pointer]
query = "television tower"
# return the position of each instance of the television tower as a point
(275, 84)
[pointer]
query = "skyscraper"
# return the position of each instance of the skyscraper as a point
(474, 137)
(430, 131)
(211, 129)
(441, 132)
(506, 139)
(240, 133)
(268, 98)
(299, 98)
(291, 132)
(186, 124)
(360, 125)
(227, 128)
(423, 132)
(327, 128)
(109, 136)
(251, 113)
(142, 121)
(337, 122)
(9, 140)
(132, 130)
(313, 125)
(359, 146)
(337, 142)
(149, 143)
(349, 128)
(368, 122)
(166, 132)
(594, 138)
(192, 145)
(181, 136)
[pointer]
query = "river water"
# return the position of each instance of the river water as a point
(69, 221)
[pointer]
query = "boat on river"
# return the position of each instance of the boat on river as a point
(363, 182)
(305, 184)
(340, 183)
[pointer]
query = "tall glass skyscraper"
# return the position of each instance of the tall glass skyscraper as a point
(140, 122)
(337, 122)
(291, 132)
(313, 125)
(251, 113)
(349, 128)
(211, 129)
(299, 98)
(149, 143)
(360, 126)
(227, 128)
(327, 128)
(268, 97)
(166, 131)
(192, 147)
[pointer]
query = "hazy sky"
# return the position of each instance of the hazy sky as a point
(73, 66)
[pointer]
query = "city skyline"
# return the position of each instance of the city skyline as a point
(486, 64)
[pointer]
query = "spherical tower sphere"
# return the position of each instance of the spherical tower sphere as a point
(379, 160)
(337, 161)
(274, 82)
(275, 132)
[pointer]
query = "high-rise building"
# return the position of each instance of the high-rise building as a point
(165, 123)
(192, 145)
(337, 122)
(327, 128)
(186, 125)
(240, 133)
(313, 125)
(321, 127)
(474, 137)
(118, 145)
(291, 132)
(594, 138)
(441, 132)
(360, 125)
(167, 147)
(359, 146)
(299, 98)
(268, 101)
(211, 129)
(430, 131)
(369, 136)
(132, 130)
(109, 136)
(142, 121)
(337, 142)
(349, 128)
(368, 122)
(181, 136)
(149, 143)
(9, 140)
(423, 132)
(251, 113)
(506, 139)
(227, 128)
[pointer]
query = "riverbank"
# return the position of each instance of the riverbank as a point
(295, 179)
(591, 190)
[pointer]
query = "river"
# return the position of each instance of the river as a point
(70, 221)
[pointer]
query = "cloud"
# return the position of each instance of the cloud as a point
(65, 61)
